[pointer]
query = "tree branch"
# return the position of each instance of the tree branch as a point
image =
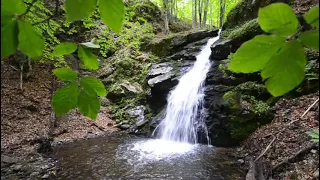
(50, 17)
(29, 7)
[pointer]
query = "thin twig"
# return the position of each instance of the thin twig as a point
(267, 148)
(309, 108)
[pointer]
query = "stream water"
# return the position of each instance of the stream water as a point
(120, 156)
(175, 153)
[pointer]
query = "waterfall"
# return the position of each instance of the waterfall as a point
(181, 121)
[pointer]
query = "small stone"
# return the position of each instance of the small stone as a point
(46, 176)
(34, 174)
(241, 161)
(125, 126)
(17, 167)
(316, 174)
(313, 151)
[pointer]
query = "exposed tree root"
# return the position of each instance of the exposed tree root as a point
(295, 157)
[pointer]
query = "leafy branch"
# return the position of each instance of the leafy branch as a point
(280, 57)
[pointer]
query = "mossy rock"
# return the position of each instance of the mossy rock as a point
(246, 114)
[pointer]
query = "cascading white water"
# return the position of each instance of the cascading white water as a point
(184, 102)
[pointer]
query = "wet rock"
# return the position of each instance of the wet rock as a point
(104, 101)
(162, 78)
(17, 167)
(316, 174)
(8, 160)
(123, 89)
(172, 44)
(124, 126)
(137, 113)
(240, 161)
(46, 176)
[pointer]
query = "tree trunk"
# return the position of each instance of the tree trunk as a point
(205, 11)
(194, 14)
(222, 8)
(211, 4)
(200, 12)
(165, 14)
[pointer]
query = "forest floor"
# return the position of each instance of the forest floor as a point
(286, 149)
(26, 128)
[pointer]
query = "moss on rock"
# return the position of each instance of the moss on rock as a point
(245, 111)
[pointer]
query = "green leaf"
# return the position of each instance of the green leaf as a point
(93, 86)
(112, 13)
(253, 55)
(278, 18)
(12, 7)
(312, 16)
(314, 134)
(65, 74)
(90, 45)
(285, 70)
(88, 59)
(310, 39)
(88, 105)
(79, 9)
(64, 48)
(31, 42)
(9, 38)
(65, 99)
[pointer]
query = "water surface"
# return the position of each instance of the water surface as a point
(121, 156)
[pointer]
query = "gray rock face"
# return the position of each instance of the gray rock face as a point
(170, 45)
(137, 113)
(162, 78)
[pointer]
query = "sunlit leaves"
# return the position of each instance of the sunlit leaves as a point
(12, 7)
(310, 39)
(93, 86)
(285, 70)
(88, 59)
(278, 18)
(312, 16)
(65, 74)
(65, 99)
(112, 13)
(64, 48)
(9, 38)
(31, 42)
(88, 105)
(314, 134)
(253, 55)
(79, 9)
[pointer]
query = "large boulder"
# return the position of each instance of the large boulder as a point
(246, 11)
(162, 78)
(173, 43)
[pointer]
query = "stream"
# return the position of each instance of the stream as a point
(123, 156)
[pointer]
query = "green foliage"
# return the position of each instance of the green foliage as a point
(65, 74)
(112, 13)
(79, 9)
(88, 59)
(285, 70)
(314, 134)
(30, 41)
(65, 99)
(281, 61)
(9, 38)
(93, 86)
(312, 16)
(308, 39)
(278, 18)
(88, 105)
(253, 55)
(12, 7)
(64, 48)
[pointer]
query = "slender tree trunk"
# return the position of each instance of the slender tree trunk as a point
(211, 4)
(205, 11)
(194, 14)
(165, 14)
(222, 9)
(200, 12)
